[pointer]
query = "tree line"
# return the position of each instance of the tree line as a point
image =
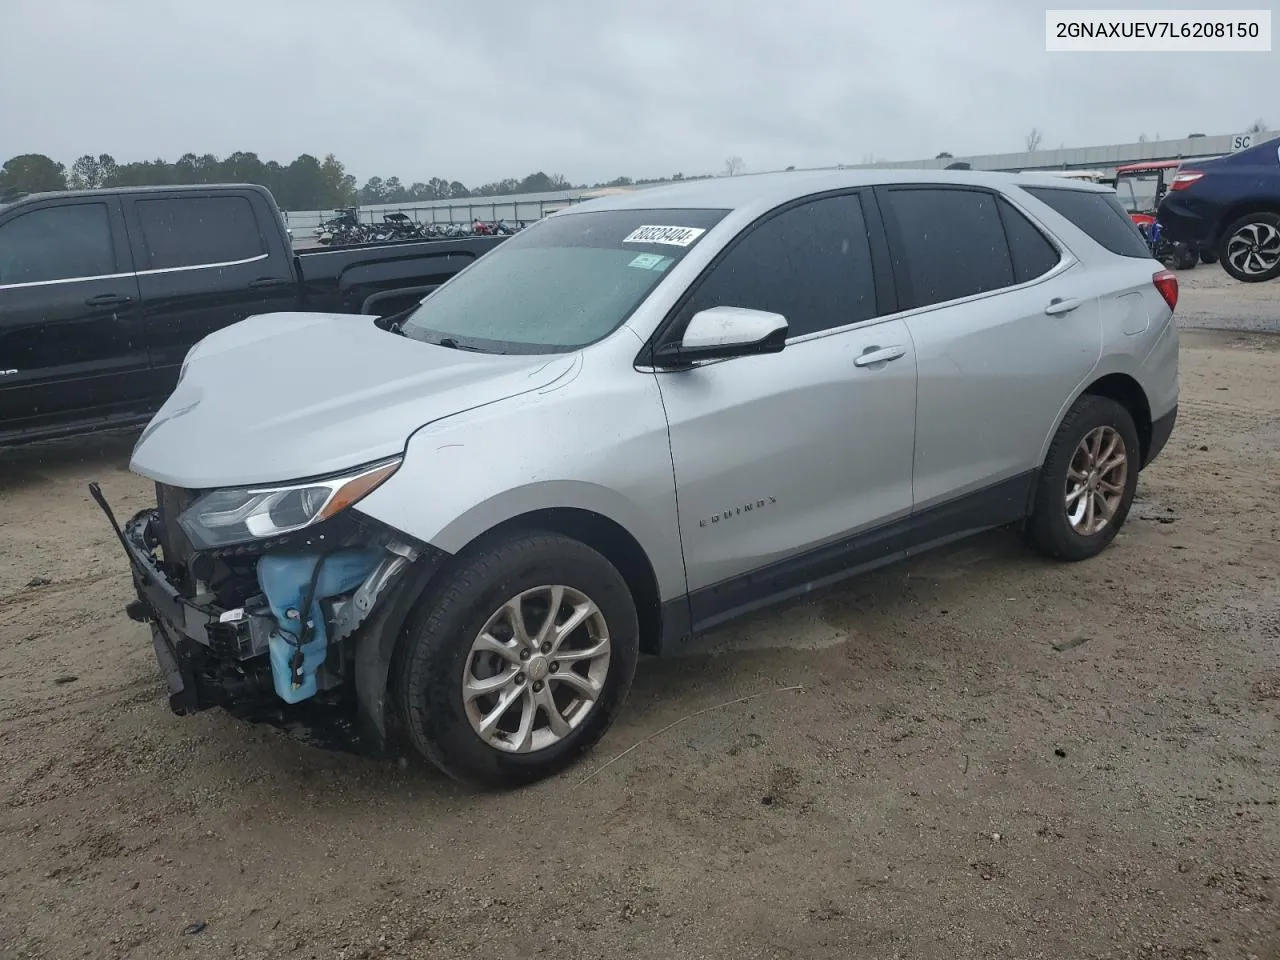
(305, 184)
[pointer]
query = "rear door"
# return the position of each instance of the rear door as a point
(205, 261)
(71, 341)
(1004, 330)
(793, 467)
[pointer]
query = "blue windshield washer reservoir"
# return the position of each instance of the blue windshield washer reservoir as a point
(285, 579)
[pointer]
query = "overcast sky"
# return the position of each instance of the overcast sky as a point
(592, 89)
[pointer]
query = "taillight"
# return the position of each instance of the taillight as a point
(1166, 282)
(1185, 179)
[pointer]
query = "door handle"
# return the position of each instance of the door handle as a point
(108, 300)
(267, 282)
(1058, 306)
(874, 355)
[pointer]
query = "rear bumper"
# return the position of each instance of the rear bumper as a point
(1186, 219)
(1161, 430)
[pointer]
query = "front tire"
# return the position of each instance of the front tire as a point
(519, 660)
(1250, 248)
(1087, 483)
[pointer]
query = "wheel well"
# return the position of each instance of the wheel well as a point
(1127, 392)
(1240, 210)
(617, 545)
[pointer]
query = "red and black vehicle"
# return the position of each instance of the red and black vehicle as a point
(1140, 187)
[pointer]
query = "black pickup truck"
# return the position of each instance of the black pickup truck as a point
(103, 292)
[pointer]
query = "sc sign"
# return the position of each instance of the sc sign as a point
(1241, 141)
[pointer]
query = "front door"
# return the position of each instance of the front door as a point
(71, 342)
(792, 468)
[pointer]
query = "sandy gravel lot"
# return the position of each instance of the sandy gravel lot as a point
(990, 756)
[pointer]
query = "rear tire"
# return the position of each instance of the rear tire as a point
(465, 639)
(1087, 483)
(1250, 248)
(1182, 257)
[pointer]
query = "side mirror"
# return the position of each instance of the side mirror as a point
(724, 332)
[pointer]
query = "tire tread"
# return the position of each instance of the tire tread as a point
(424, 692)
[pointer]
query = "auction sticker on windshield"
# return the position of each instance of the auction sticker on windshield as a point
(650, 261)
(672, 236)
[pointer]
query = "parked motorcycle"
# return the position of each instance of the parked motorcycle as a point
(1179, 256)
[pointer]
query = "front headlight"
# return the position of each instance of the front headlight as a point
(222, 518)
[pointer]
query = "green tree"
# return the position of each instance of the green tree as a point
(300, 186)
(242, 167)
(339, 186)
(32, 173)
(107, 168)
(373, 191)
(457, 191)
(394, 191)
(541, 183)
(86, 173)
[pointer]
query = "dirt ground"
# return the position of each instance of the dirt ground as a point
(990, 755)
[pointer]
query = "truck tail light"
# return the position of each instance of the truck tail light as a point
(1166, 282)
(1185, 179)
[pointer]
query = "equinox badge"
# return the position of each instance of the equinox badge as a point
(738, 511)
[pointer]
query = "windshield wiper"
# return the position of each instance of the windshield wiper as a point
(453, 344)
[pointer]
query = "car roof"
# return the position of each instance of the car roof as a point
(176, 188)
(771, 189)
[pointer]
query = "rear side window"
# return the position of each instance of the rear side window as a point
(950, 243)
(1100, 215)
(1033, 254)
(66, 242)
(810, 263)
(198, 231)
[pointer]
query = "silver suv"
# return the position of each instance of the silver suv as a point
(640, 418)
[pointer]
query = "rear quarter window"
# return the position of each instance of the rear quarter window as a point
(1100, 215)
(1033, 254)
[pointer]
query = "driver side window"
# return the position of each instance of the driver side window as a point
(811, 263)
(64, 242)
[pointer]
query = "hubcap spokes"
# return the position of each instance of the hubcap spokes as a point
(1096, 480)
(536, 669)
(1254, 248)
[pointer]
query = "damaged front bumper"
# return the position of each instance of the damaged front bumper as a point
(245, 656)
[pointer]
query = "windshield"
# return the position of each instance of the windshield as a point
(565, 283)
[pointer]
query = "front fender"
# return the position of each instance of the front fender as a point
(598, 445)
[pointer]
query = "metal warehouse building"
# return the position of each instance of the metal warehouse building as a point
(533, 206)
(1105, 158)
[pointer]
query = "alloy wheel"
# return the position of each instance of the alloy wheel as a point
(536, 669)
(1096, 480)
(1254, 248)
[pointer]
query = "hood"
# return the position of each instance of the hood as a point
(285, 396)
